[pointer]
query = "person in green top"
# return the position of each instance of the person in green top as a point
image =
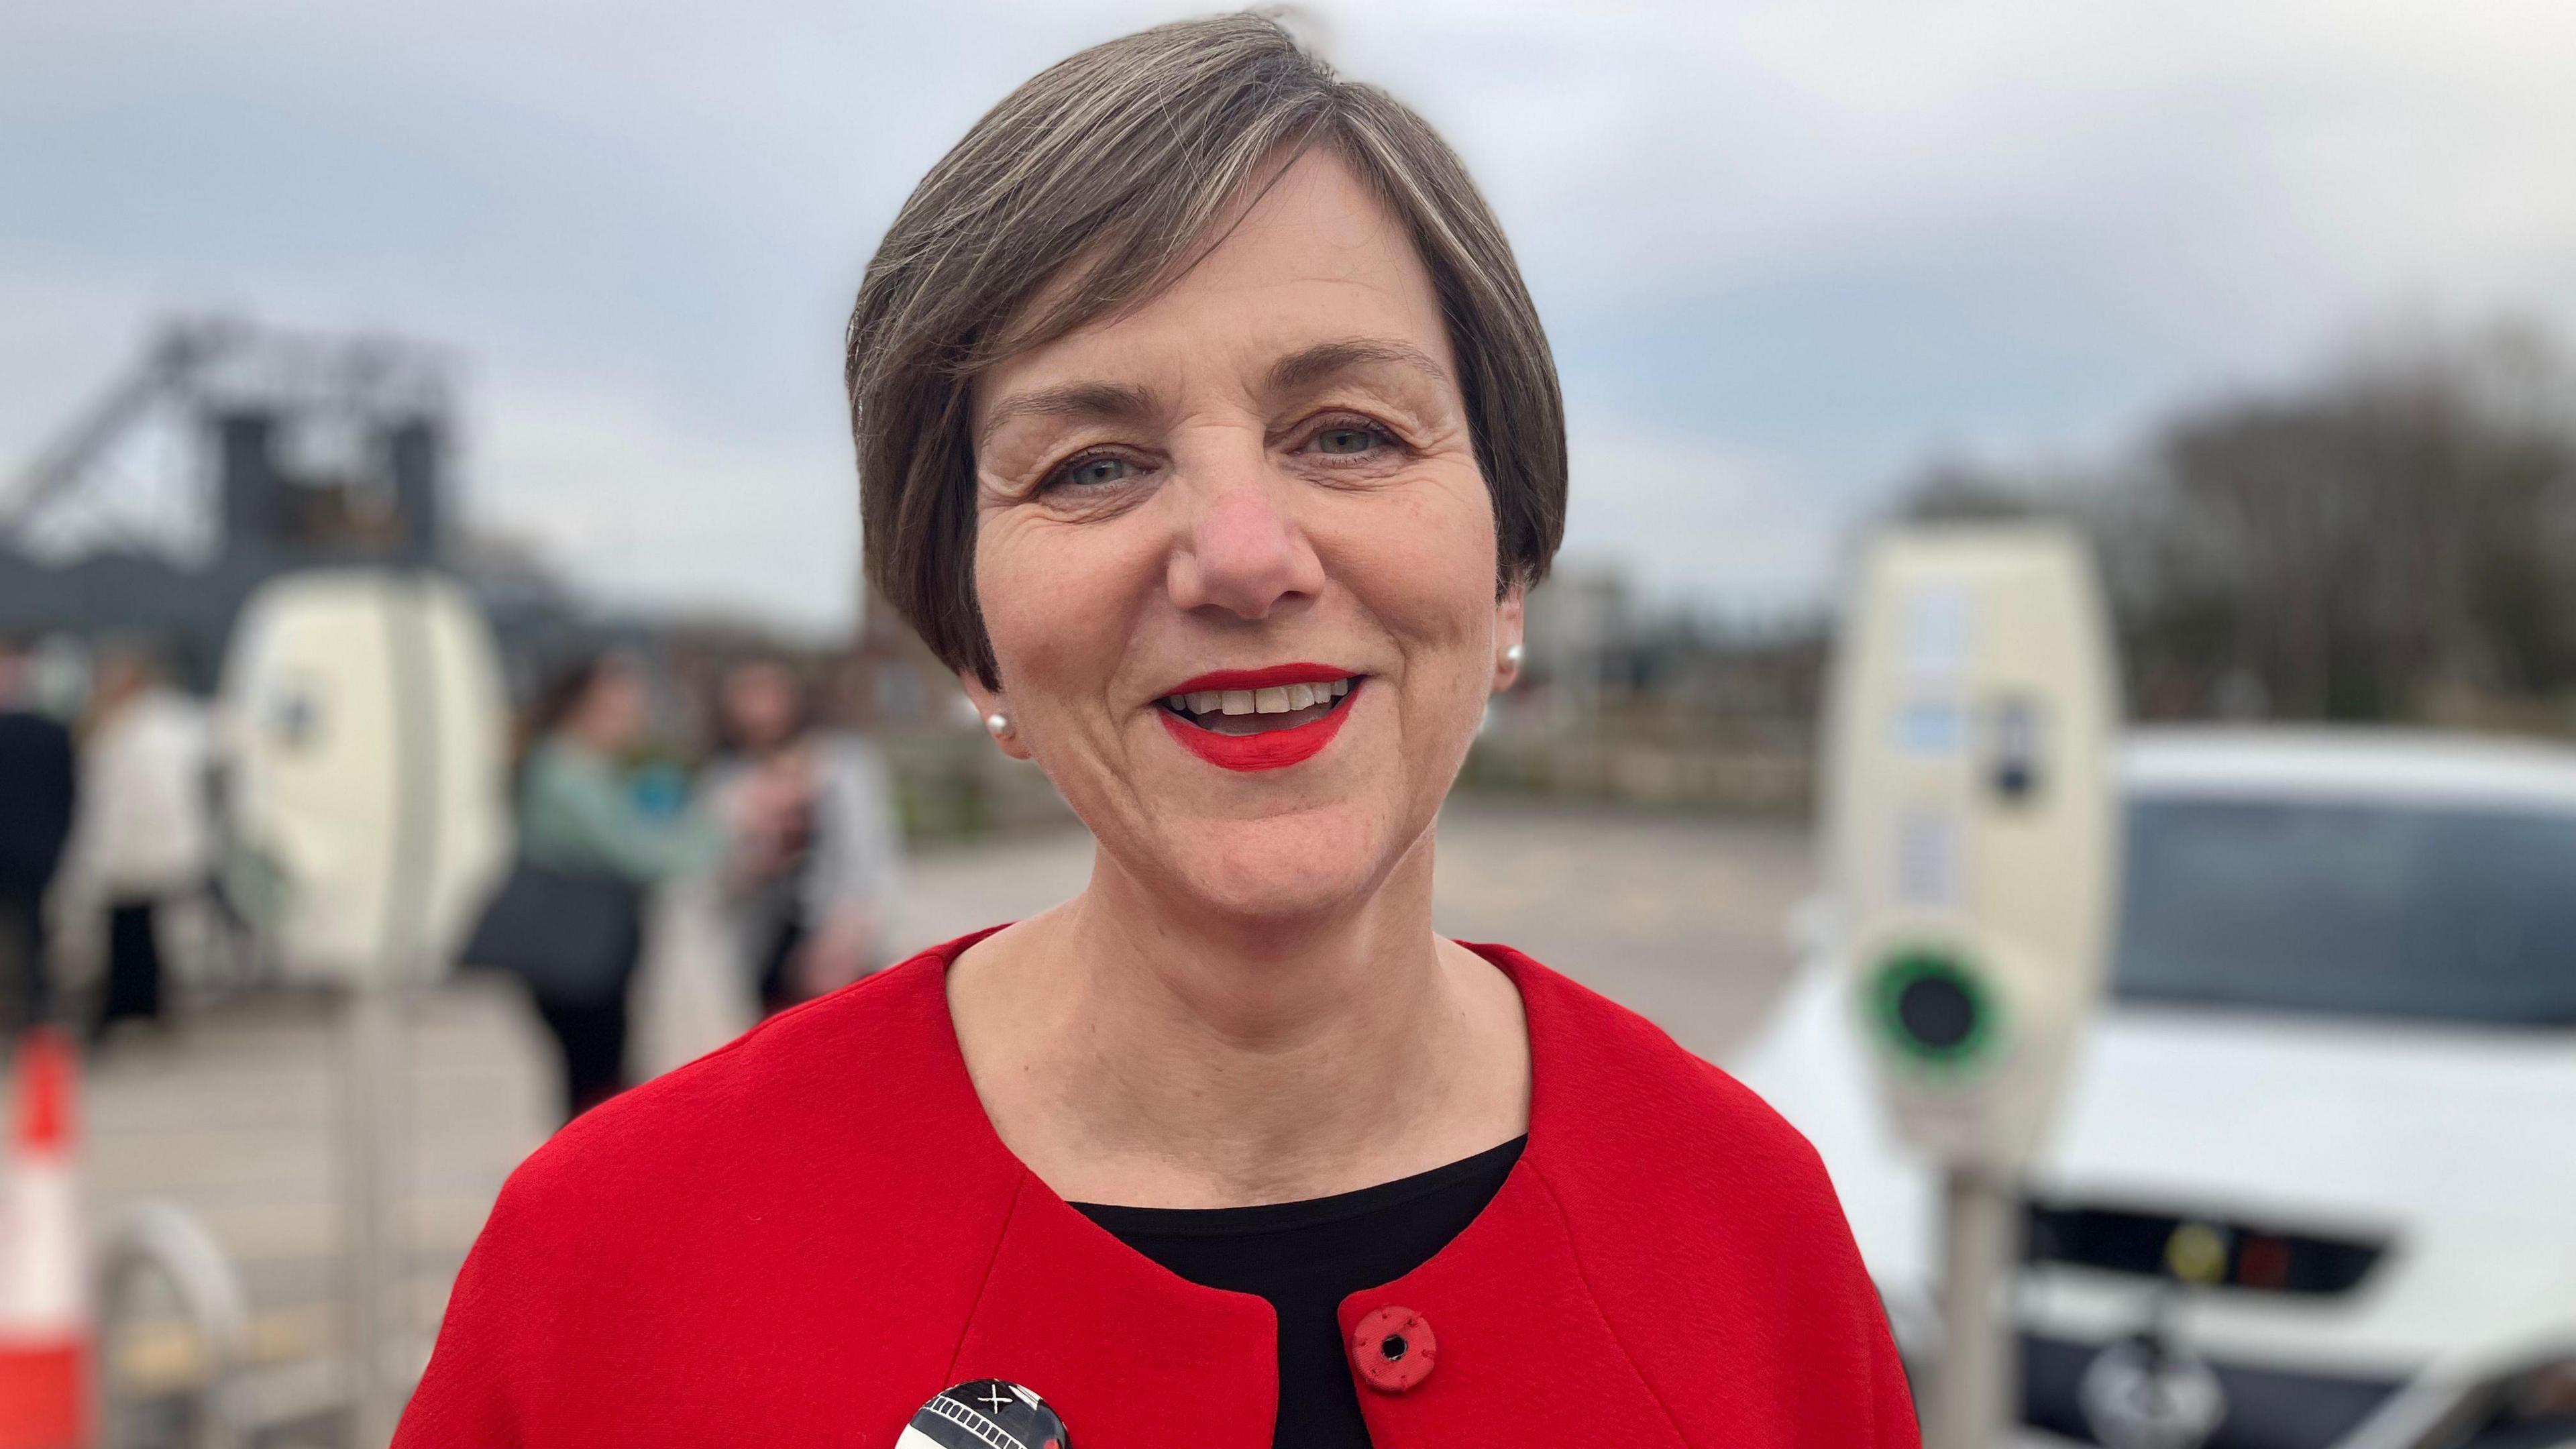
(578, 810)
(579, 815)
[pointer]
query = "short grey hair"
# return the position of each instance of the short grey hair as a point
(1097, 184)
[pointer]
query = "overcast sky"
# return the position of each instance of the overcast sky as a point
(1785, 251)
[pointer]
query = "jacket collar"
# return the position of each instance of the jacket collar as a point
(1132, 1355)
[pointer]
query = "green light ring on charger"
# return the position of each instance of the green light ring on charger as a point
(1910, 964)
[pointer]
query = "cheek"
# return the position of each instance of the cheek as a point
(1429, 577)
(1055, 601)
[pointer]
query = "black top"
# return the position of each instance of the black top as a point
(36, 783)
(1306, 1257)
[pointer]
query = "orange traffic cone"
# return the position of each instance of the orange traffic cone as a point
(44, 1279)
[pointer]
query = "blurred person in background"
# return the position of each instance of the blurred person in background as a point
(818, 882)
(38, 783)
(580, 817)
(1207, 429)
(142, 839)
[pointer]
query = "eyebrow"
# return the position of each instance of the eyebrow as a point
(1116, 402)
(1119, 402)
(1309, 366)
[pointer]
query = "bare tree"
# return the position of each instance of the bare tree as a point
(2368, 545)
(2395, 534)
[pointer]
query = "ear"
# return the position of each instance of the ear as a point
(988, 702)
(1509, 630)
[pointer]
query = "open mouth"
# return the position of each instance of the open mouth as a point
(1259, 711)
(1260, 719)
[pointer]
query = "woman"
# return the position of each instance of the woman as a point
(812, 905)
(579, 818)
(141, 842)
(1205, 426)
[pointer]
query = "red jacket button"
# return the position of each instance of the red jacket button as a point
(1393, 1348)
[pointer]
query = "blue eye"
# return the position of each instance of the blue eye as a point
(1345, 441)
(1096, 471)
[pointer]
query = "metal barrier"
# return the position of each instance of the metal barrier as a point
(158, 1239)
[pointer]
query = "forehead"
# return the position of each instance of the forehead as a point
(1314, 257)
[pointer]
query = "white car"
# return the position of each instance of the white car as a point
(2313, 1182)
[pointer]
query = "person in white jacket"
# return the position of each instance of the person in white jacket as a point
(142, 838)
(813, 907)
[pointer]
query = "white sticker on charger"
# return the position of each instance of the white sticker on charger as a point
(1940, 623)
(1931, 866)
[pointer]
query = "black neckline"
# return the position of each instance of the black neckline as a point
(1280, 1217)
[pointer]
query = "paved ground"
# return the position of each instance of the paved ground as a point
(233, 1116)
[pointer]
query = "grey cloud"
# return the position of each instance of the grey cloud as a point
(1826, 237)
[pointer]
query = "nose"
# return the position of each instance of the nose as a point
(1241, 551)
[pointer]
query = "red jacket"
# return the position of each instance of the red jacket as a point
(800, 1239)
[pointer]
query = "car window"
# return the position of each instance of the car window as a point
(2351, 909)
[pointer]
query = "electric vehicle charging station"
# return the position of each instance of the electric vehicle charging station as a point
(367, 754)
(366, 745)
(1972, 836)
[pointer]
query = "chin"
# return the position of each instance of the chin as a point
(1312, 863)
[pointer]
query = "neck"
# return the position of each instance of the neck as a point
(1131, 1052)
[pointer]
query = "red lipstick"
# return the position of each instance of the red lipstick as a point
(1266, 749)
(1273, 676)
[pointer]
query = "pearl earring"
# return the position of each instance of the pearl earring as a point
(997, 724)
(1512, 656)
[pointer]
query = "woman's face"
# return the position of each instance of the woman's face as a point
(614, 711)
(760, 706)
(1257, 492)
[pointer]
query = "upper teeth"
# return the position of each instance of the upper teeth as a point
(1278, 700)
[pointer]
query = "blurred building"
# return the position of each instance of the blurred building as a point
(1623, 700)
(228, 455)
